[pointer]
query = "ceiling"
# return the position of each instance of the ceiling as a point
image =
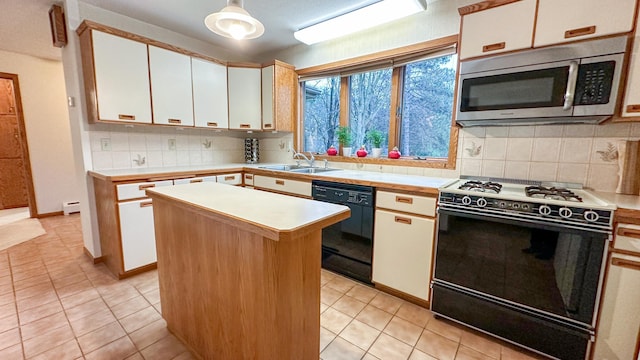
(24, 28)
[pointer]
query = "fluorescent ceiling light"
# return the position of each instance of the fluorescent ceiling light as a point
(369, 16)
(233, 21)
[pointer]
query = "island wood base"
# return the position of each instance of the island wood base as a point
(229, 292)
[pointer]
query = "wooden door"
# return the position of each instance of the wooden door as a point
(13, 182)
(7, 100)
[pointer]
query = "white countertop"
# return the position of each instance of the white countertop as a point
(267, 210)
(631, 202)
(354, 175)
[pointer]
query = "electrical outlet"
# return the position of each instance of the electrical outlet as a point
(171, 144)
(105, 144)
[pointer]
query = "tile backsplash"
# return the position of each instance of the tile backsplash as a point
(121, 147)
(585, 154)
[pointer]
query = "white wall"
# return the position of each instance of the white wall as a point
(44, 104)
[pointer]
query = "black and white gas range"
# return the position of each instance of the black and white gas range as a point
(522, 261)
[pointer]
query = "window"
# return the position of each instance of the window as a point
(321, 113)
(369, 105)
(427, 106)
(406, 95)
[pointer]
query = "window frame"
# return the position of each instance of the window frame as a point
(344, 67)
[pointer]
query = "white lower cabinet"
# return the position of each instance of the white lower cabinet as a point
(287, 186)
(137, 233)
(197, 179)
(230, 179)
(619, 325)
(402, 249)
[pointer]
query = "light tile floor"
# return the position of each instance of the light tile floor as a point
(56, 304)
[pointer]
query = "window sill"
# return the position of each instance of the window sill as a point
(403, 161)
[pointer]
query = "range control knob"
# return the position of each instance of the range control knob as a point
(591, 216)
(482, 202)
(565, 212)
(544, 210)
(466, 200)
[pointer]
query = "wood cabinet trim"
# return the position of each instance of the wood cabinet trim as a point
(483, 5)
(625, 252)
(628, 232)
(628, 264)
(91, 25)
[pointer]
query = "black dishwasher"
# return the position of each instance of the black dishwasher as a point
(347, 246)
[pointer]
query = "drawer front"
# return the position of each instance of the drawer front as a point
(136, 190)
(283, 185)
(414, 204)
(628, 238)
(230, 179)
(197, 179)
(248, 179)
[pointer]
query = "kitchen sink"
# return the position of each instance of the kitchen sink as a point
(297, 169)
(311, 170)
(284, 167)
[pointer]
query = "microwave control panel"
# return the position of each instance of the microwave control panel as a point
(594, 83)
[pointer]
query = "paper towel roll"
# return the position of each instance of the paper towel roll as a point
(628, 167)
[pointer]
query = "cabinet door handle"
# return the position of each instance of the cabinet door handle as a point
(625, 263)
(633, 108)
(403, 220)
(146, 186)
(146, 204)
(404, 200)
(494, 47)
(175, 121)
(248, 177)
(126, 117)
(580, 32)
(279, 182)
(195, 181)
(267, 125)
(245, 126)
(212, 124)
(230, 177)
(633, 233)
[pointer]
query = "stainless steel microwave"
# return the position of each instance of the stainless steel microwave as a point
(572, 83)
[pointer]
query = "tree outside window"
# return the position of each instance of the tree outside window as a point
(369, 105)
(321, 113)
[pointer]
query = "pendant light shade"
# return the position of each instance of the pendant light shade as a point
(233, 21)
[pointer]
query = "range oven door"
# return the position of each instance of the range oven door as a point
(528, 282)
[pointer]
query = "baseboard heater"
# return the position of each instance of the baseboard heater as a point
(71, 207)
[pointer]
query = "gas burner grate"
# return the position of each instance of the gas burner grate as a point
(487, 186)
(551, 193)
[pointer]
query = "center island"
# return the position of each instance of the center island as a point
(239, 269)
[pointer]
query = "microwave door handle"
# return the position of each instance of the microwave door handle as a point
(569, 95)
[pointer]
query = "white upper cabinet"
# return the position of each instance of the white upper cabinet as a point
(498, 29)
(569, 20)
(245, 98)
(210, 106)
(631, 103)
(171, 87)
(122, 92)
(268, 121)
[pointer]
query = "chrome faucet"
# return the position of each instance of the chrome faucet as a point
(311, 161)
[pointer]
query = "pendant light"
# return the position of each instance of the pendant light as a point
(233, 21)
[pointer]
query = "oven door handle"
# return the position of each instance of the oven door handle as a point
(518, 218)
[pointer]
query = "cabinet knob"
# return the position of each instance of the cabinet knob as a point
(494, 47)
(403, 220)
(404, 200)
(633, 108)
(126, 117)
(580, 32)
